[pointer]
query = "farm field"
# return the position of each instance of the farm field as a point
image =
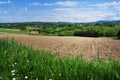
(59, 40)
(18, 62)
(88, 48)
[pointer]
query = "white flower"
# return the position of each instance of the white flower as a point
(15, 63)
(13, 74)
(36, 78)
(26, 77)
(12, 71)
(13, 78)
(50, 79)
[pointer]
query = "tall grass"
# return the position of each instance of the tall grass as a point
(18, 62)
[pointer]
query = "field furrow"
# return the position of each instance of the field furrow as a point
(89, 48)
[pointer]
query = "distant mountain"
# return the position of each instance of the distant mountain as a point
(65, 22)
(104, 21)
(100, 21)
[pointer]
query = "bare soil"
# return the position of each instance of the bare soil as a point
(89, 48)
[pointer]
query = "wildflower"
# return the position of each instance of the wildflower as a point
(92, 79)
(15, 63)
(13, 74)
(50, 79)
(13, 78)
(26, 77)
(36, 78)
(12, 71)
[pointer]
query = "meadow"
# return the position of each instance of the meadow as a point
(18, 62)
(16, 31)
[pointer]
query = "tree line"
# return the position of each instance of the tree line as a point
(69, 29)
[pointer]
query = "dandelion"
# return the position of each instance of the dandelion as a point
(26, 77)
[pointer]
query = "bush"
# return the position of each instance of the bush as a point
(119, 34)
(87, 33)
(23, 28)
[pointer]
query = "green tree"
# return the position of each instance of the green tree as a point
(119, 34)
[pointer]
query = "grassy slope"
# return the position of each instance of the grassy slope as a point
(13, 31)
(20, 62)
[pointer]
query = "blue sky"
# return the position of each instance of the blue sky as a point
(59, 10)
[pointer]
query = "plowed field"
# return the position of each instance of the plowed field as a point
(89, 48)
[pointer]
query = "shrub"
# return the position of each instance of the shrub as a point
(23, 28)
(119, 34)
(87, 33)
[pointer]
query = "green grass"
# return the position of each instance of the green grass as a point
(14, 31)
(23, 63)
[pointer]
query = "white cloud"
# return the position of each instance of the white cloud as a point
(48, 4)
(79, 15)
(26, 9)
(65, 15)
(5, 2)
(66, 11)
(59, 3)
(67, 3)
(115, 16)
(4, 11)
(35, 4)
(113, 4)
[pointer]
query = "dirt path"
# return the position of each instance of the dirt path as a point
(72, 46)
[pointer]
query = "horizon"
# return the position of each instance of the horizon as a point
(78, 11)
(61, 22)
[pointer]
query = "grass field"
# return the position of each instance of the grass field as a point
(18, 62)
(17, 31)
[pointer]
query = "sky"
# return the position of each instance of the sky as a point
(59, 10)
